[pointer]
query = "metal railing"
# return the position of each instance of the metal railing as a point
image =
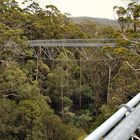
(127, 127)
(132, 122)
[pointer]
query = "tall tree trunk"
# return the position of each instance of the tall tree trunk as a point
(37, 71)
(37, 62)
(67, 82)
(62, 96)
(109, 81)
(97, 101)
(80, 96)
(135, 25)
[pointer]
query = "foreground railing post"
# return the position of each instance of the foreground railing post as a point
(113, 120)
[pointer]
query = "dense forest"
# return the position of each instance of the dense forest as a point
(101, 21)
(30, 88)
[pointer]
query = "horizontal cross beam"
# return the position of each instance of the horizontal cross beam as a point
(73, 43)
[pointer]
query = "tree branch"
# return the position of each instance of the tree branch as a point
(131, 66)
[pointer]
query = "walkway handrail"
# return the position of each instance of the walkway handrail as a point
(113, 120)
(127, 127)
(73, 42)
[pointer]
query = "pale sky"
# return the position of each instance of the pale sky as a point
(92, 8)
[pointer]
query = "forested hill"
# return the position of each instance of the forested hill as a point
(101, 21)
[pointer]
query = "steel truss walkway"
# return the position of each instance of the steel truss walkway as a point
(67, 49)
(73, 42)
(122, 125)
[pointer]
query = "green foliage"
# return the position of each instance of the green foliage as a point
(127, 78)
(128, 17)
(42, 99)
(33, 119)
(8, 120)
(15, 83)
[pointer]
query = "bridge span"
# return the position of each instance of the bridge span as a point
(88, 49)
(96, 42)
(66, 49)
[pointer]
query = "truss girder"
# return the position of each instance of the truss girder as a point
(73, 43)
(75, 49)
(68, 53)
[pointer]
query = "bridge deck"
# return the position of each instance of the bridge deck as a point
(73, 43)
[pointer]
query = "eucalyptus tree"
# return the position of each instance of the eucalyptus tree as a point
(52, 12)
(129, 16)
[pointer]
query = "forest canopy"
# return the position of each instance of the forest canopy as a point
(42, 99)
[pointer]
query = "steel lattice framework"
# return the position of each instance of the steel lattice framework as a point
(73, 42)
(67, 49)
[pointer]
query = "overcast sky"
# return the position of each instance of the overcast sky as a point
(92, 8)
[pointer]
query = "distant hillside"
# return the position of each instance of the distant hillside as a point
(101, 21)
